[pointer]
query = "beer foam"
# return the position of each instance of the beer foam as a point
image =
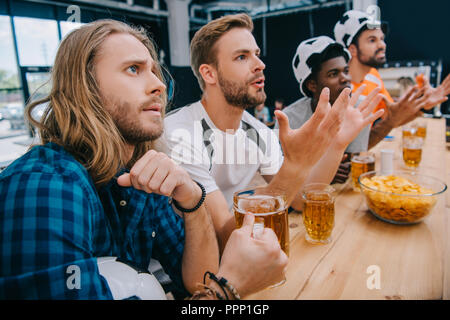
(258, 204)
(363, 159)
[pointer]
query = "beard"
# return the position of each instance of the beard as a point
(237, 94)
(131, 128)
(372, 61)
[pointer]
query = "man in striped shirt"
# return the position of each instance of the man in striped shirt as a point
(222, 146)
(365, 39)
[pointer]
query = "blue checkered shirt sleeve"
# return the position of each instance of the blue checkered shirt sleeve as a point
(45, 240)
(169, 242)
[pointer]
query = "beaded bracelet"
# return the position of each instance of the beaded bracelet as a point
(213, 277)
(222, 282)
(207, 292)
(231, 288)
(199, 204)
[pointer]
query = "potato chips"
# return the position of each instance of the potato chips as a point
(406, 204)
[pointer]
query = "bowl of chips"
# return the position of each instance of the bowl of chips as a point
(405, 197)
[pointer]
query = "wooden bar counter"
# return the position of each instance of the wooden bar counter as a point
(410, 261)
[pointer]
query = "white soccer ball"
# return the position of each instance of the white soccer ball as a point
(351, 23)
(125, 281)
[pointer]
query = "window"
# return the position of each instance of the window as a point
(8, 66)
(37, 41)
(11, 98)
(38, 84)
(67, 27)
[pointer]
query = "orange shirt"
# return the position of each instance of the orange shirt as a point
(373, 80)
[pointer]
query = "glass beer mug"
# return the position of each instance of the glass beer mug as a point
(270, 211)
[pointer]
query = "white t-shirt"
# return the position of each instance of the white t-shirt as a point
(219, 160)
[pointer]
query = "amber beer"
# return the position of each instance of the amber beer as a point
(270, 212)
(412, 150)
(415, 129)
(412, 157)
(361, 163)
(318, 213)
(420, 132)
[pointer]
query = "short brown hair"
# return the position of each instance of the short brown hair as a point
(203, 49)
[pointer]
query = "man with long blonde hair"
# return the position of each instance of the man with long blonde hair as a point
(95, 188)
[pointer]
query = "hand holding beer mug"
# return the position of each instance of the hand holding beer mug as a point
(361, 163)
(318, 212)
(270, 211)
(250, 264)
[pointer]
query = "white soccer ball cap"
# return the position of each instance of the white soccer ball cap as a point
(351, 23)
(124, 281)
(300, 63)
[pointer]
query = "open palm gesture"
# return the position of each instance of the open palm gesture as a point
(357, 118)
(306, 145)
(435, 96)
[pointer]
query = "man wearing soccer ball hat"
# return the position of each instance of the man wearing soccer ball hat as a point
(365, 40)
(318, 63)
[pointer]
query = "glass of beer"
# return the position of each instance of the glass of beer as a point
(421, 128)
(361, 163)
(408, 130)
(318, 212)
(417, 128)
(270, 211)
(412, 150)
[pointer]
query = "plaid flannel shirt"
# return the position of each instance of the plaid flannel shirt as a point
(52, 218)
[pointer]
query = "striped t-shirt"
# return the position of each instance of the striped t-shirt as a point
(217, 159)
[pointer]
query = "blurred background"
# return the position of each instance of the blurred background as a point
(31, 30)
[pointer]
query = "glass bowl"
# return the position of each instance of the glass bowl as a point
(407, 206)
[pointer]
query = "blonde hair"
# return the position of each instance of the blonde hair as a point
(203, 50)
(75, 117)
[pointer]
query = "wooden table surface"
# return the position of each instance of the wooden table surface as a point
(410, 262)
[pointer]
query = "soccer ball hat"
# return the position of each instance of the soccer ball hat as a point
(351, 23)
(302, 64)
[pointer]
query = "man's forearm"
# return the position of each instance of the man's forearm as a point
(289, 179)
(325, 170)
(378, 132)
(201, 252)
(292, 177)
(225, 232)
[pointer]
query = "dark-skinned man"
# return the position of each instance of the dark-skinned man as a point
(318, 63)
